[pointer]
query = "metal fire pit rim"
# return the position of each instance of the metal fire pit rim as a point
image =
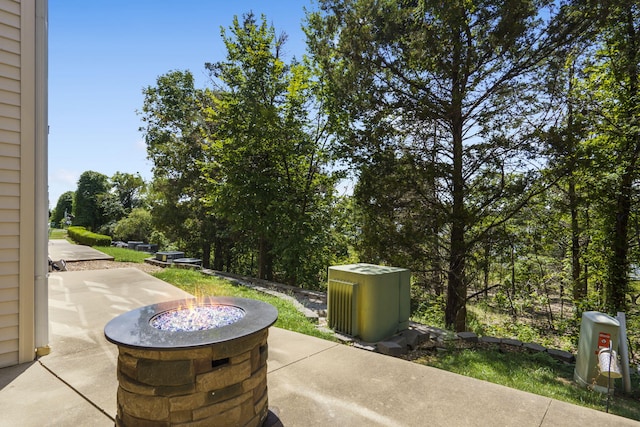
(133, 329)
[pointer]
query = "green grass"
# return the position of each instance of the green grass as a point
(123, 254)
(199, 284)
(534, 373)
(57, 233)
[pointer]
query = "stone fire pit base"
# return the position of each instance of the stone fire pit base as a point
(222, 384)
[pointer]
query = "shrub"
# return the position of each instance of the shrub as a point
(136, 226)
(84, 237)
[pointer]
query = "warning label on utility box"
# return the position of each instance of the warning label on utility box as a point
(604, 341)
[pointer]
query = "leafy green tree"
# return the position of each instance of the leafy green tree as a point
(64, 206)
(129, 189)
(87, 209)
(397, 228)
(136, 226)
(613, 85)
(451, 85)
(565, 151)
(268, 171)
(174, 134)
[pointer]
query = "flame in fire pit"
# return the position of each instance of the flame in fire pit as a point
(197, 318)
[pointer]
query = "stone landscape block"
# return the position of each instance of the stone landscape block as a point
(534, 348)
(561, 355)
(400, 340)
(391, 348)
(468, 336)
(414, 338)
(511, 342)
(490, 340)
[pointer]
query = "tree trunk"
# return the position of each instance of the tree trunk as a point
(265, 260)
(219, 249)
(206, 254)
(618, 282)
(579, 286)
(456, 309)
(486, 266)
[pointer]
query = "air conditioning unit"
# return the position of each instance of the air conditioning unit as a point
(368, 301)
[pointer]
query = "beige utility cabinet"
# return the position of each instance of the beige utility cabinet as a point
(369, 301)
(597, 331)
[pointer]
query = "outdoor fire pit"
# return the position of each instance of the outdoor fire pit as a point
(193, 362)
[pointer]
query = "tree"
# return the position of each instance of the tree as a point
(451, 86)
(613, 82)
(92, 186)
(136, 226)
(129, 189)
(268, 169)
(174, 134)
(392, 195)
(63, 207)
(565, 151)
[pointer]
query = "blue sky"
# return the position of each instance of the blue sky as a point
(103, 53)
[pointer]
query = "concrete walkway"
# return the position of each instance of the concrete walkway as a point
(63, 249)
(312, 382)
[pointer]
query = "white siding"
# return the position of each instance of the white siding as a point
(9, 180)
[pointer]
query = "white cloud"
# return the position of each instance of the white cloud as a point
(141, 146)
(61, 181)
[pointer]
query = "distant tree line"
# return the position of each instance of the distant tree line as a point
(493, 145)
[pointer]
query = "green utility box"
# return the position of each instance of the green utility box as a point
(370, 301)
(597, 331)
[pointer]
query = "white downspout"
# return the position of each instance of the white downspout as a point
(41, 267)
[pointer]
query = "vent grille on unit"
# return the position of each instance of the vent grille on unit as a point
(342, 307)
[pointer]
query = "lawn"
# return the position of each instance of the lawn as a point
(199, 284)
(536, 373)
(123, 254)
(57, 233)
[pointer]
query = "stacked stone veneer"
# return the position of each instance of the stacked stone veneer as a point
(223, 384)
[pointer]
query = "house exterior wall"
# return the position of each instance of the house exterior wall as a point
(20, 110)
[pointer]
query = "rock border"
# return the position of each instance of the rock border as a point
(418, 335)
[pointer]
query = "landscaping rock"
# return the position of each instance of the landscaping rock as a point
(490, 340)
(468, 336)
(392, 348)
(535, 348)
(414, 338)
(561, 355)
(511, 342)
(400, 340)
